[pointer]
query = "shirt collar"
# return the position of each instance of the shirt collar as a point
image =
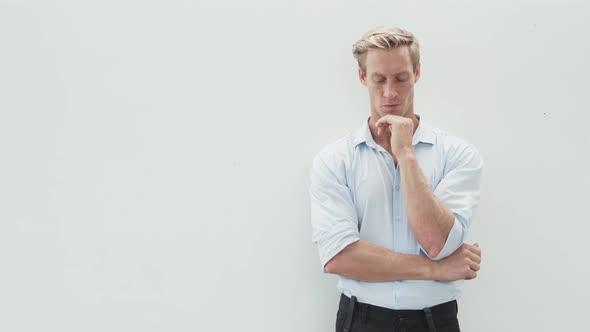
(423, 134)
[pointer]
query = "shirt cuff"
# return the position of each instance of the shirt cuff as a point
(332, 249)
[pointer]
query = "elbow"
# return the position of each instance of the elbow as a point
(341, 262)
(332, 265)
(433, 250)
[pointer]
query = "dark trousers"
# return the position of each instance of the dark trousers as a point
(354, 316)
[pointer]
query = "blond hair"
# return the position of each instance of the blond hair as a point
(385, 38)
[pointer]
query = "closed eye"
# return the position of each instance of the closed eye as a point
(402, 78)
(376, 78)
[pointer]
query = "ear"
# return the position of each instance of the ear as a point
(417, 73)
(362, 77)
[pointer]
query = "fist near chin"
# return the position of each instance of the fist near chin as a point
(402, 131)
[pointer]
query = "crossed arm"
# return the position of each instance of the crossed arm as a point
(369, 262)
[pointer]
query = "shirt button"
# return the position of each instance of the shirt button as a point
(397, 219)
(397, 187)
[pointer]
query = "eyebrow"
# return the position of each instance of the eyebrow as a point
(405, 72)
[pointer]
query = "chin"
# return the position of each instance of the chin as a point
(381, 112)
(393, 111)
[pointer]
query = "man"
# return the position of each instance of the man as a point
(391, 202)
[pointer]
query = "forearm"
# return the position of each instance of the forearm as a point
(429, 219)
(369, 262)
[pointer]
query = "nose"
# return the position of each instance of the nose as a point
(390, 91)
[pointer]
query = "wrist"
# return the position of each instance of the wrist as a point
(432, 268)
(406, 155)
(429, 270)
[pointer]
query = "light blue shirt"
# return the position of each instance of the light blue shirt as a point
(356, 194)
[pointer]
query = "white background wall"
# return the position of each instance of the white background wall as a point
(155, 157)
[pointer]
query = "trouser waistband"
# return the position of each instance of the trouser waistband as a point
(350, 305)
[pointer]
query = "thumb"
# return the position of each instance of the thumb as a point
(476, 244)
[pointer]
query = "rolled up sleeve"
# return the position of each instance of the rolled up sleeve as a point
(333, 214)
(459, 190)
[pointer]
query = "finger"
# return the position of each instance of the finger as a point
(475, 248)
(382, 126)
(380, 122)
(384, 121)
(471, 275)
(379, 129)
(474, 257)
(474, 266)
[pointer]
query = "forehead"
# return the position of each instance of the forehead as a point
(388, 61)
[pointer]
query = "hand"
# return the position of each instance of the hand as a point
(402, 131)
(462, 264)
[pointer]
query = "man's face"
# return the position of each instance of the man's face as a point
(390, 80)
